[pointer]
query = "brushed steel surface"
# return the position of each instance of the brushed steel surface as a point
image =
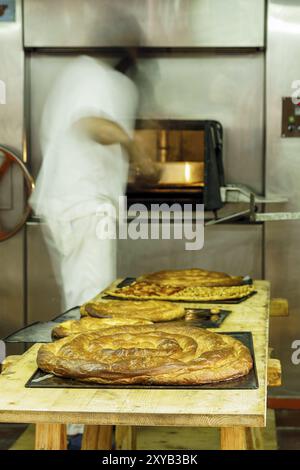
(235, 249)
(226, 88)
(11, 286)
(11, 73)
(11, 135)
(283, 175)
(43, 293)
(165, 23)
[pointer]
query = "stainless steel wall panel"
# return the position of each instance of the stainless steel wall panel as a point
(11, 135)
(162, 23)
(12, 74)
(283, 175)
(43, 293)
(11, 287)
(230, 248)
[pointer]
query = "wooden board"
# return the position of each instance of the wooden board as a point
(147, 407)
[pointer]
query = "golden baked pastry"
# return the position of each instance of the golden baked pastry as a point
(150, 354)
(152, 310)
(191, 277)
(88, 324)
(146, 290)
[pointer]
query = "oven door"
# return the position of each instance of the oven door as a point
(189, 155)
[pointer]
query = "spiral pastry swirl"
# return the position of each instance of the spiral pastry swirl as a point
(147, 354)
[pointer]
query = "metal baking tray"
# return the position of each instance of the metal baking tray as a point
(40, 332)
(129, 280)
(250, 382)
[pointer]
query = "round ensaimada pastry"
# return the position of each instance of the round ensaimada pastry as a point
(89, 324)
(191, 277)
(161, 354)
(152, 310)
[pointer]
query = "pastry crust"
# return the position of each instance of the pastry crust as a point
(154, 311)
(144, 290)
(147, 354)
(89, 324)
(194, 277)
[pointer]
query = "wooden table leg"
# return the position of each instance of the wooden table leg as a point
(50, 436)
(254, 439)
(125, 438)
(97, 438)
(233, 438)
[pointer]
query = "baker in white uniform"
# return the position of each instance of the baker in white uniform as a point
(86, 140)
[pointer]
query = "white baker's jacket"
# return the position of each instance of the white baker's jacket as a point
(77, 174)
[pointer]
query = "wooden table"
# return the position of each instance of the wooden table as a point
(232, 410)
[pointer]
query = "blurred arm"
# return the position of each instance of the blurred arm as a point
(107, 132)
(103, 131)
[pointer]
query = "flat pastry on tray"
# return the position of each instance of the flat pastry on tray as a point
(152, 310)
(144, 290)
(162, 354)
(194, 277)
(89, 324)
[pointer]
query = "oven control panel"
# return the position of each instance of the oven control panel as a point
(290, 118)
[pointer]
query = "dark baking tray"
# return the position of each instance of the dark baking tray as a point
(40, 332)
(249, 382)
(129, 280)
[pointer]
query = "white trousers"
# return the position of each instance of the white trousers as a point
(84, 264)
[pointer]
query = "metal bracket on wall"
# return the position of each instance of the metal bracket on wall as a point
(238, 193)
(258, 217)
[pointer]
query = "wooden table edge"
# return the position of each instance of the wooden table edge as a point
(133, 419)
